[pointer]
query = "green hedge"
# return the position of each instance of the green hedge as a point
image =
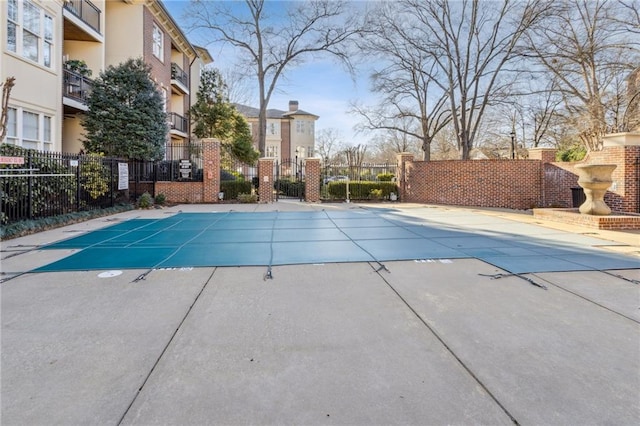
(360, 190)
(233, 188)
(26, 227)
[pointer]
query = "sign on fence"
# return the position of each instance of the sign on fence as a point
(11, 160)
(185, 169)
(123, 176)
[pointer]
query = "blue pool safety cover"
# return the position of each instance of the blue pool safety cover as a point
(285, 238)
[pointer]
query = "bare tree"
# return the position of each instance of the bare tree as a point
(272, 44)
(355, 157)
(327, 142)
(388, 144)
(630, 15)
(585, 45)
(7, 85)
(410, 102)
(545, 113)
(472, 42)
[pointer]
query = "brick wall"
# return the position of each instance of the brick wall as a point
(517, 184)
(558, 179)
(514, 184)
(181, 192)
(160, 70)
(197, 192)
(285, 134)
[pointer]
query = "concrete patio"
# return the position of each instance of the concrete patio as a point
(424, 341)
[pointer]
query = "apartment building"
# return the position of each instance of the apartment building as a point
(290, 133)
(32, 39)
(55, 47)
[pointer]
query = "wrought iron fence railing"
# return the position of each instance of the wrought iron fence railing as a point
(36, 184)
(365, 181)
(237, 178)
(86, 11)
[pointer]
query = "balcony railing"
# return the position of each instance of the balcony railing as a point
(178, 122)
(76, 86)
(86, 11)
(178, 74)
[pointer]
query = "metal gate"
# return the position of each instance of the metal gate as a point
(289, 181)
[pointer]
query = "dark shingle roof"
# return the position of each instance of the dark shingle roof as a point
(251, 112)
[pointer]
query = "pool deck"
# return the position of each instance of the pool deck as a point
(424, 341)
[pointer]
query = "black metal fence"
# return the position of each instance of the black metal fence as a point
(366, 181)
(36, 184)
(237, 178)
(181, 163)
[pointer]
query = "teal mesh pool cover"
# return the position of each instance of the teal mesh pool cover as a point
(284, 238)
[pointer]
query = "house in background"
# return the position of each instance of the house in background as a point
(50, 46)
(290, 134)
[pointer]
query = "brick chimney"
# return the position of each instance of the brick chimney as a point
(293, 106)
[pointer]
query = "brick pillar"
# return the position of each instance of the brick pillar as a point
(211, 170)
(546, 155)
(402, 175)
(265, 174)
(312, 176)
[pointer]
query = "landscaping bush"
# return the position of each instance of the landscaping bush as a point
(574, 153)
(385, 177)
(361, 190)
(233, 188)
(145, 201)
(160, 199)
(247, 198)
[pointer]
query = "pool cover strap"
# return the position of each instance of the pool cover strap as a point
(269, 275)
(380, 264)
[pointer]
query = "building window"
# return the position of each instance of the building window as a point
(12, 126)
(48, 40)
(158, 42)
(29, 129)
(12, 23)
(272, 151)
(165, 97)
(46, 133)
(273, 128)
(30, 32)
(300, 125)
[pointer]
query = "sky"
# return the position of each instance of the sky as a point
(323, 88)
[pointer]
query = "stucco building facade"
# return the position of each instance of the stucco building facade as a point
(43, 41)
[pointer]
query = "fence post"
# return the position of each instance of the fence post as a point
(78, 184)
(30, 185)
(265, 174)
(402, 177)
(210, 170)
(312, 180)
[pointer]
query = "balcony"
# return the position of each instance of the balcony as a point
(178, 125)
(75, 89)
(179, 80)
(86, 11)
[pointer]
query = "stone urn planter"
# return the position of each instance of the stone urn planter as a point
(595, 179)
